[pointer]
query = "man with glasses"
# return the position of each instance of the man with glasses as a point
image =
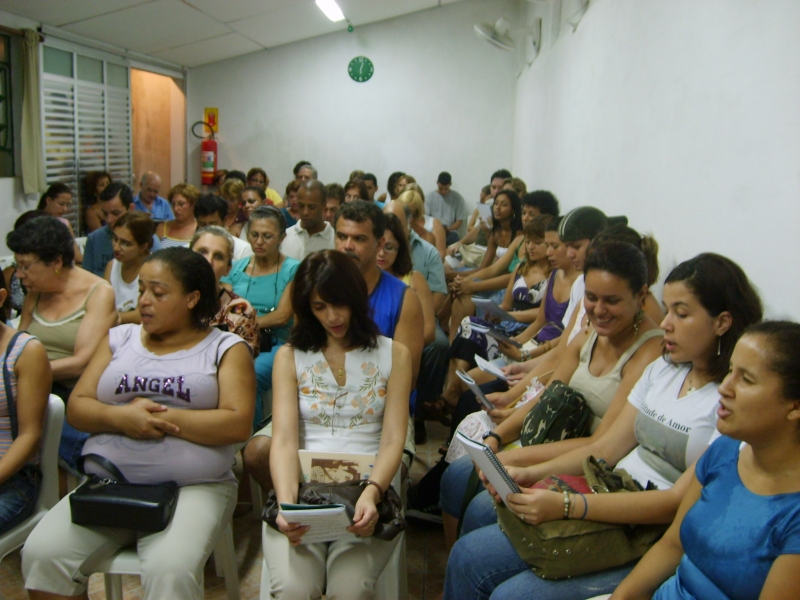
(115, 201)
(148, 200)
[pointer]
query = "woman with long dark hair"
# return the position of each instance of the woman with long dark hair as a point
(339, 386)
(506, 236)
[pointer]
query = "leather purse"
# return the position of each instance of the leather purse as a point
(390, 509)
(100, 502)
(572, 547)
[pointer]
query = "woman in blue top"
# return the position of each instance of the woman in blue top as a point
(737, 533)
(265, 280)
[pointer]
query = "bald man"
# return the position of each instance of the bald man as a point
(148, 200)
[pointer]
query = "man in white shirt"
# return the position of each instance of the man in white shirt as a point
(311, 233)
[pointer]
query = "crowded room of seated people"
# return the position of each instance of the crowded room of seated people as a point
(456, 386)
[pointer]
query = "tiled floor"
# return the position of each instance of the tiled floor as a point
(427, 556)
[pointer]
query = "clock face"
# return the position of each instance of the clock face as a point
(360, 69)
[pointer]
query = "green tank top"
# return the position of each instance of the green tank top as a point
(58, 337)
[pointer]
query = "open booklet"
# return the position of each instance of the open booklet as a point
(492, 308)
(486, 460)
(491, 368)
(485, 213)
(479, 395)
(331, 467)
(326, 522)
(502, 336)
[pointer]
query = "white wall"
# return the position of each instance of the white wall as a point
(683, 115)
(440, 99)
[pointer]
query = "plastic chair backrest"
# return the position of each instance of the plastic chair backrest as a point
(48, 457)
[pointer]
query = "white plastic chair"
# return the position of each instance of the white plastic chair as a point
(48, 462)
(126, 562)
(393, 582)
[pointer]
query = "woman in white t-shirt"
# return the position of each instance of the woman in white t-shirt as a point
(132, 241)
(665, 427)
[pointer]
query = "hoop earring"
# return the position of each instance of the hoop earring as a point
(637, 320)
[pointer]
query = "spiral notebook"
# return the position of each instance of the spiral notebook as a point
(487, 461)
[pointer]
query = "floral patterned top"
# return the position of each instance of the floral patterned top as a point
(236, 315)
(346, 418)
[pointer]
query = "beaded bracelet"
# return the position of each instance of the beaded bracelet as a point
(566, 504)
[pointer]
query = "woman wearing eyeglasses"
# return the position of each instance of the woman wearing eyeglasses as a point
(132, 240)
(339, 386)
(265, 280)
(70, 310)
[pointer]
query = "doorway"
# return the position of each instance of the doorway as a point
(158, 107)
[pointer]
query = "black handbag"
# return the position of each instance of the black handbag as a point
(390, 509)
(100, 502)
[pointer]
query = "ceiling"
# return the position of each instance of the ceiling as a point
(196, 32)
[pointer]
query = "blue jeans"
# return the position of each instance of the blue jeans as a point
(71, 446)
(263, 365)
(432, 368)
(454, 485)
(452, 237)
(484, 564)
(480, 511)
(72, 440)
(18, 496)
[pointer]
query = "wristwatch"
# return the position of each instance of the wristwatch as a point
(492, 434)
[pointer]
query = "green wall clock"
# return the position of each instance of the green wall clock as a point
(360, 69)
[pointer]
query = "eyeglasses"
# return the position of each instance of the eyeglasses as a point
(338, 403)
(390, 248)
(255, 236)
(26, 268)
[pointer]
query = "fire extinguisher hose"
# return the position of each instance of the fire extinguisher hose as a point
(202, 137)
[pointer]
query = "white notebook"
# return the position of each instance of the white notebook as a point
(327, 522)
(487, 461)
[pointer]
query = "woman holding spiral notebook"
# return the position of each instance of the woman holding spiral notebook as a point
(338, 386)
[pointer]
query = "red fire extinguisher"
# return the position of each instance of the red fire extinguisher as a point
(208, 160)
(208, 155)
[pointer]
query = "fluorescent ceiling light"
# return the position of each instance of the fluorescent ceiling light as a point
(331, 10)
